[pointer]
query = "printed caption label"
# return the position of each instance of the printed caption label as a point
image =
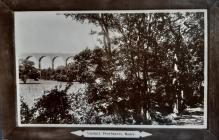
(110, 134)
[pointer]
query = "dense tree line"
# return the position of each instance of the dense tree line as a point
(155, 59)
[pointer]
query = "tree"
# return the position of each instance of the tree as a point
(105, 22)
(28, 71)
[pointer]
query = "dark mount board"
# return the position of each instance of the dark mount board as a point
(8, 78)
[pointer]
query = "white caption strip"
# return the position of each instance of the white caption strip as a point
(110, 134)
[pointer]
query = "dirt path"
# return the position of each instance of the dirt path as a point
(191, 116)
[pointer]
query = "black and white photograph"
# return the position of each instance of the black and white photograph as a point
(128, 68)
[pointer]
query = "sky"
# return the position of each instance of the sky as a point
(47, 32)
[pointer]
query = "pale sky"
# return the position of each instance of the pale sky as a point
(46, 32)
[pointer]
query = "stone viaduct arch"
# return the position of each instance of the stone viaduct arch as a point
(40, 59)
(53, 61)
(52, 56)
(28, 57)
(66, 61)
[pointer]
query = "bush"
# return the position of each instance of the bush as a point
(54, 107)
(25, 112)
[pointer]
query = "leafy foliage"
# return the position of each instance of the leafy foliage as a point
(150, 65)
(155, 60)
(25, 112)
(53, 108)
